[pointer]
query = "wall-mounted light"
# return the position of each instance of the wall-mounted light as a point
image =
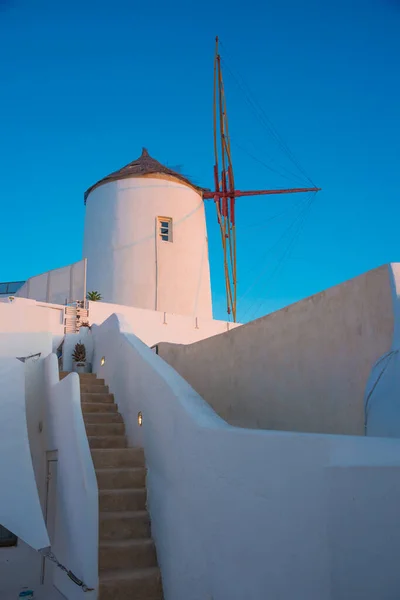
(102, 361)
(140, 419)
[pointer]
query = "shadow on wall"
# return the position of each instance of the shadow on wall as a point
(240, 513)
(303, 368)
(382, 411)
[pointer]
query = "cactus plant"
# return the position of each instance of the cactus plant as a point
(79, 353)
(80, 361)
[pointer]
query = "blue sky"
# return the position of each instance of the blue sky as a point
(86, 84)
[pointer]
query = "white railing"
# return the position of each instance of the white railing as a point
(76, 530)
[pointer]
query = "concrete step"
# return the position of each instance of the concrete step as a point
(107, 441)
(115, 500)
(118, 458)
(94, 388)
(105, 418)
(87, 378)
(101, 429)
(124, 525)
(97, 398)
(127, 554)
(98, 407)
(91, 381)
(133, 584)
(119, 479)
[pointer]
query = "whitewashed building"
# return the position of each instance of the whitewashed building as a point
(199, 459)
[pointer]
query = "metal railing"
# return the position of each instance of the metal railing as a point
(75, 313)
(24, 358)
(7, 538)
(10, 287)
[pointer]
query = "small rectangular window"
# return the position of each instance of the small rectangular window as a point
(165, 229)
(7, 538)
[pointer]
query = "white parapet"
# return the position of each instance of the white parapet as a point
(241, 513)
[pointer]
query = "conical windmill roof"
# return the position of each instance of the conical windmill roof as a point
(142, 166)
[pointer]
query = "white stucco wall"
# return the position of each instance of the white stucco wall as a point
(26, 329)
(381, 399)
(240, 513)
(155, 326)
(23, 316)
(25, 344)
(22, 344)
(75, 540)
(303, 368)
(150, 326)
(127, 261)
(58, 285)
(21, 475)
(27, 316)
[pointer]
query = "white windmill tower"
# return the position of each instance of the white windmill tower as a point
(145, 240)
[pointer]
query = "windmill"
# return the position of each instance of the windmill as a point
(225, 193)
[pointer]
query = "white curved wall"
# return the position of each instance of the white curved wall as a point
(381, 400)
(20, 509)
(76, 533)
(127, 261)
(303, 368)
(248, 515)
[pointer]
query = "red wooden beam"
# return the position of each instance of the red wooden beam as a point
(238, 193)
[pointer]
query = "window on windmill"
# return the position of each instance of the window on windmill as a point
(165, 228)
(7, 538)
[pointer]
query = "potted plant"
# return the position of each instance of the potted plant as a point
(79, 362)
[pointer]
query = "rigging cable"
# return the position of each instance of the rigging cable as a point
(264, 120)
(272, 169)
(304, 214)
(267, 124)
(274, 245)
(282, 260)
(255, 268)
(275, 216)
